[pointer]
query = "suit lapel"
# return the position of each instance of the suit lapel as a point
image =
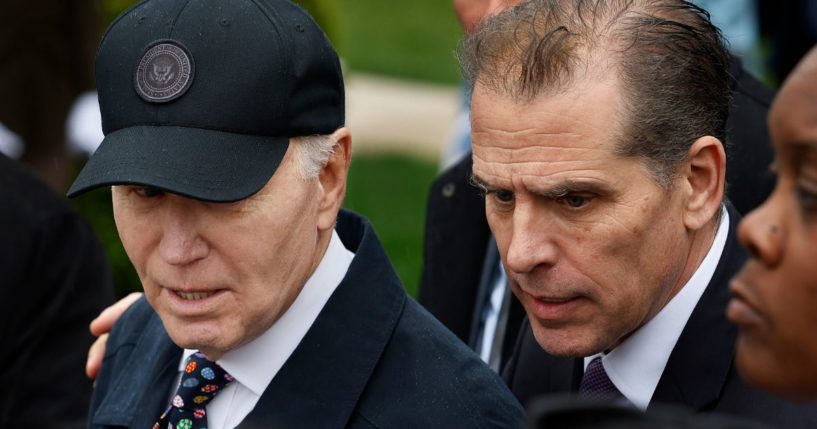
(702, 358)
(320, 384)
(140, 394)
(486, 285)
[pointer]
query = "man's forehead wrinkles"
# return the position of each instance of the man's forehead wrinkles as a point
(526, 132)
(539, 176)
(521, 141)
(541, 167)
(541, 154)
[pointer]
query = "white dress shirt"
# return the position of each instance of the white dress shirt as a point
(636, 365)
(256, 363)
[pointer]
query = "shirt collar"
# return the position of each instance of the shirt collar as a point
(636, 365)
(256, 363)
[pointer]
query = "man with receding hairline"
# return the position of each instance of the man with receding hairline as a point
(463, 283)
(599, 132)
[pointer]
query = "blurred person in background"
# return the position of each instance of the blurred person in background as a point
(775, 294)
(46, 57)
(790, 27)
(54, 279)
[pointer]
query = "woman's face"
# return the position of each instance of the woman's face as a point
(775, 303)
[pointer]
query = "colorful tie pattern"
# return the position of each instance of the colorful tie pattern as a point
(596, 385)
(201, 381)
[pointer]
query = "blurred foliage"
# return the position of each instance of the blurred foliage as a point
(96, 207)
(326, 14)
(110, 9)
(390, 190)
(413, 38)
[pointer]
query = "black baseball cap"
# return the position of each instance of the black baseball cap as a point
(200, 97)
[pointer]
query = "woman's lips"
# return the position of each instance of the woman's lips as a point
(740, 310)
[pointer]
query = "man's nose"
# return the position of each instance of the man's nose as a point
(532, 243)
(763, 233)
(181, 242)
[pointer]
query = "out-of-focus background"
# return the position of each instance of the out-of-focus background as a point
(404, 97)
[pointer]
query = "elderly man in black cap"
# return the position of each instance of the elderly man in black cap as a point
(265, 304)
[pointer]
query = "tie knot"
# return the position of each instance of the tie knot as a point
(201, 380)
(596, 384)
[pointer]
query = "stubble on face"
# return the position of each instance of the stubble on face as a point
(593, 246)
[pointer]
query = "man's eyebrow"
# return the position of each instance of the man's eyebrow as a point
(568, 186)
(573, 186)
(480, 184)
(476, 182)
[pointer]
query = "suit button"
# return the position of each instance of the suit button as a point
(448, 190)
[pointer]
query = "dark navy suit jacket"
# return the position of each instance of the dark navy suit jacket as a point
(700, 373)
(372, 359)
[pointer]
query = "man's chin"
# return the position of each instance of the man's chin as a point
(566, 342)
(196, 336)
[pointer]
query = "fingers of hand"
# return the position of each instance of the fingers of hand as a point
(95, 355)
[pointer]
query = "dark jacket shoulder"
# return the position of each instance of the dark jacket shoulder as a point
(446, 384)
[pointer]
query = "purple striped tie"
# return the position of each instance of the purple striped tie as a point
(596, 385)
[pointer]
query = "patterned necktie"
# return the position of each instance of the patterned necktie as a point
(596, 385)
(201, 381)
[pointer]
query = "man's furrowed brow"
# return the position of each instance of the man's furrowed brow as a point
(573, 186)
(481, 184)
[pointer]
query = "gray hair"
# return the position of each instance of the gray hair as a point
(669, 58)
(312, 153)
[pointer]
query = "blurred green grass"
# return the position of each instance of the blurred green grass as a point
(389, 189)
(412, 38)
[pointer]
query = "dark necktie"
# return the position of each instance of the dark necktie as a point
(596, 385)
(201, 381)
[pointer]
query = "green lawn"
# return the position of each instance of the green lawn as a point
(411, 38)
(390, 190)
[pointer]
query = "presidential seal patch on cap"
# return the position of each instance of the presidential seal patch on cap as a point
(164, 73)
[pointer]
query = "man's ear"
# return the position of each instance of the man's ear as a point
(705, 176)
(332, 179)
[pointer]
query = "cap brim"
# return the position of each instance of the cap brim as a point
(206, 165)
